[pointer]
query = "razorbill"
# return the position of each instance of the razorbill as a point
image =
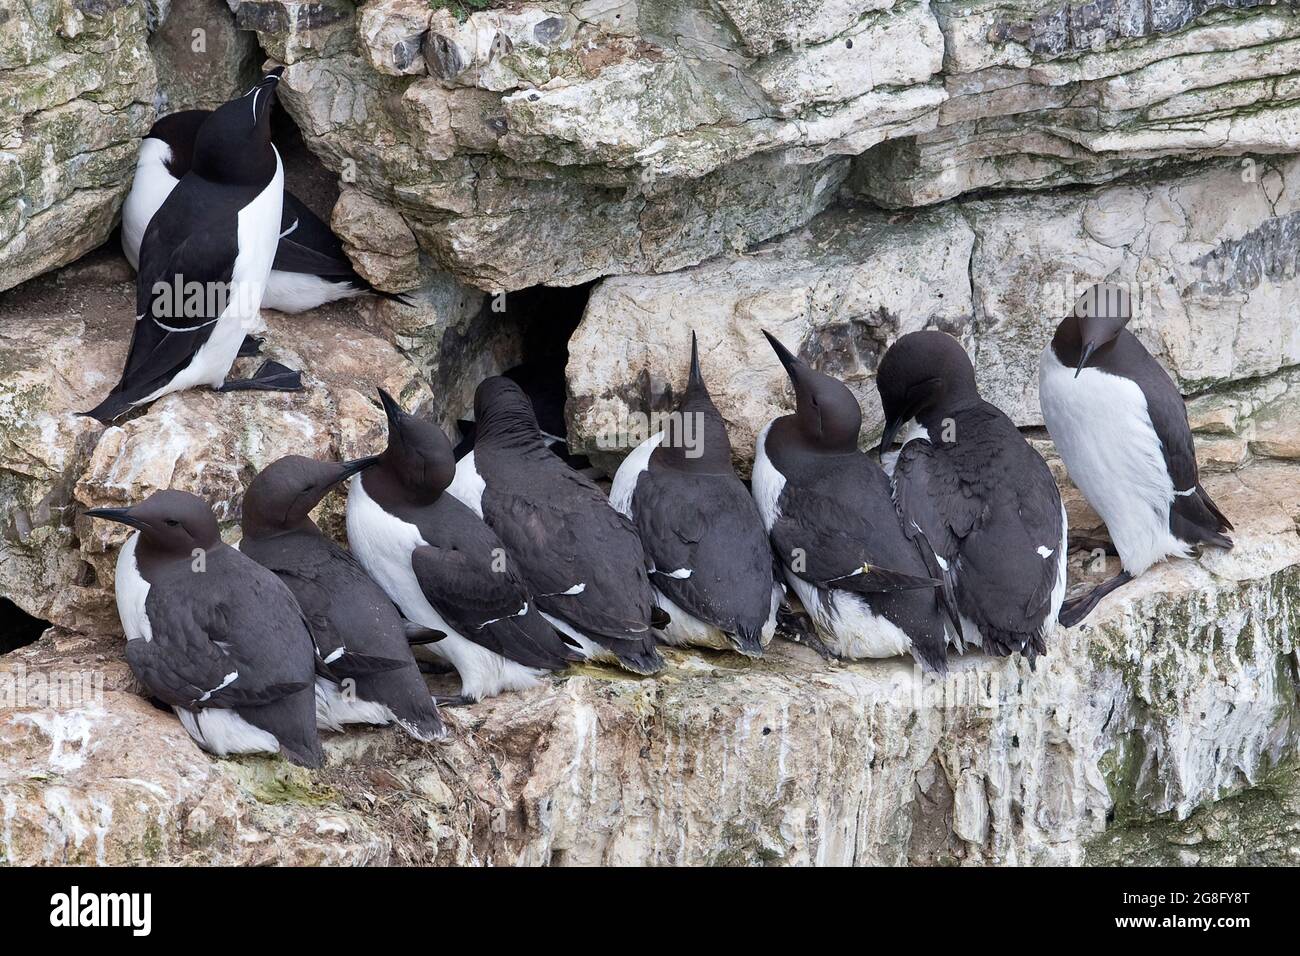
(213, 634)
(310, 267)
(1120, 426)
(711, 564)
(582, 560)
(833, 527)
(969, 484)
(444, 568)
(204, 261)
(366, 674)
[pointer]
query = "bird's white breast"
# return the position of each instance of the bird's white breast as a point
(258, 233)
(629, 472)
(766, 483)
(383, 543)
(1102, 430)
(468, 485)
(132, 590)
(152, 185)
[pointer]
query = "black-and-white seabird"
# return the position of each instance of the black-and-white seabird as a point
(204, 262)
(833, 527)
(214, 634)
(1120, 425)
(444, 568)
(711, 564)
(310, 267)
(366, 673)
(544, 385)
(983, 500)
(583, 561)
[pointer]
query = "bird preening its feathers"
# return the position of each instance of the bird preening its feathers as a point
(204, 262)
(981, 501)
(310, 266)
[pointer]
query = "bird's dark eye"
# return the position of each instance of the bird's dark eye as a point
(171, 522)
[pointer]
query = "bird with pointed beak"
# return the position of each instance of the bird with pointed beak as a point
(365, 671)
(445, 568)
(832, 524)
(973, 491)
(710, 563)
(1119, 423)
(213, 634)
(205, 259)
(582, 560)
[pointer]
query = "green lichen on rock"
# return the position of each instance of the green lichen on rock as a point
(274, 782)
(1257, 827)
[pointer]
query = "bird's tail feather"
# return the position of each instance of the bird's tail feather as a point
(747, 641)
(113, 407)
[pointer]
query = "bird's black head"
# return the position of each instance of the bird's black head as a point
(923, 376)
(283, 494)
(826, 412)
(233, 145)
(179, 131)
(173, 523)
(418, 463)
(696, 438)
(504, 415)
(1099, 316)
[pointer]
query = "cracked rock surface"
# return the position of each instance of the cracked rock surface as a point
(1210, 257)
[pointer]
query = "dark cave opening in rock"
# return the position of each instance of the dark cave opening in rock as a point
(545, 317)
(17, 627)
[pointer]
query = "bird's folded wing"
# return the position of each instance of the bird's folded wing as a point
(936, 514)
(293, 256)
(330, 618)
(181, 291)
(931, 501)
(190, 661)
(596, 588)
(829, 543)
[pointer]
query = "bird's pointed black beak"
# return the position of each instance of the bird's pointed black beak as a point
(120, 515)
(787, 357)
(1088, 349)
(349, 468)
(696, 377)
(391, 408)
(887, 438)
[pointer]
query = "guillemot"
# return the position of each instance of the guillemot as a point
(445, 568)
(982, 498)
(1119, 423)
(204, 262)
(213, 634)
(711, 561)
(832, 523)
(583, 561)
(366, 674)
